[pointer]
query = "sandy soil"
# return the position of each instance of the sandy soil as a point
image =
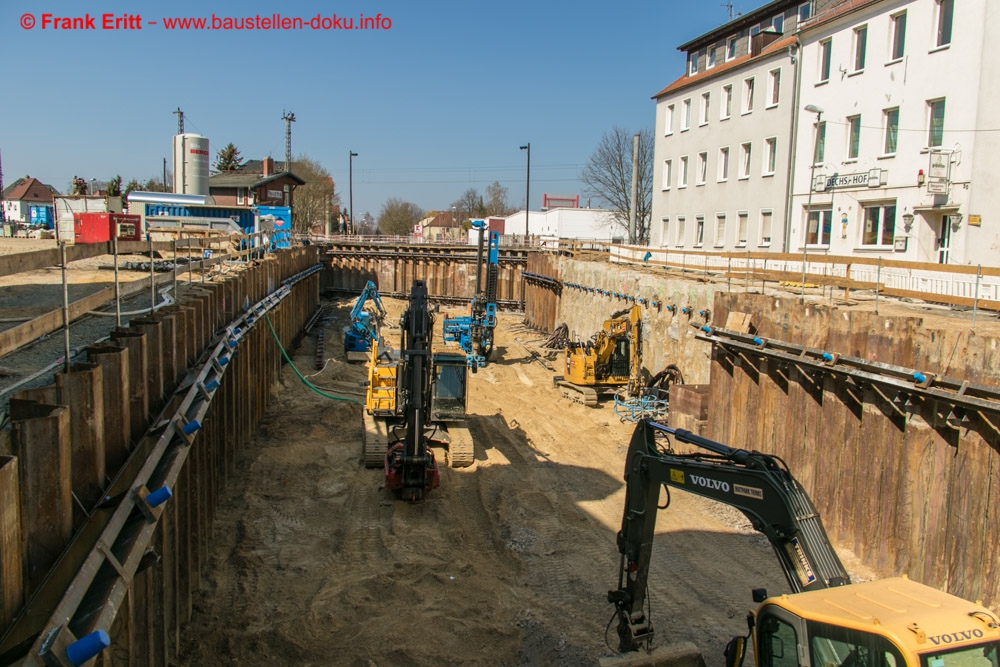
(507, 563)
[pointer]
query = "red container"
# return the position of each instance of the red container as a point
(100, 227)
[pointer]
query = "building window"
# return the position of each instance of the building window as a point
(699, 230)
(805, 11)
(774, 87)
(720, 229)
(819, 150)
(825, 55)
(724, 164)
(898, 38)
(754, 31)
(860, 47)
(770, 155)
(742, 222)
(664, 229)
(680, 230)
(778, 23)
(668, 121)
(727, 101)
(765, 227)
(705, 102)
(819, 227)
(682, 177)
(880, 225)
(853, 137)
(730, 48)
(702, 168)
(748, 95)
(693, 63)
(891, 117)
(240, 196)
(686, 118)
(935, 123)
(945, 15)
(745, 160)
(711, 57)
(667, 169)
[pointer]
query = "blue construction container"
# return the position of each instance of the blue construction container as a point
(282, 217)
(41, 215)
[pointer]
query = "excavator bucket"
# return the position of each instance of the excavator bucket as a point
(681, 654)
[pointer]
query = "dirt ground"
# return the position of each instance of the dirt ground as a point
(509, 562)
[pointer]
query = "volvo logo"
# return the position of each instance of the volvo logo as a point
(709, 483)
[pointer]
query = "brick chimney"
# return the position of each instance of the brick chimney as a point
(268, 166)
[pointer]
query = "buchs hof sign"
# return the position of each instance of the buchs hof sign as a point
(869, 179)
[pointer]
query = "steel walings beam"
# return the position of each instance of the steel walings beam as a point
(90, 603)
(890, 379)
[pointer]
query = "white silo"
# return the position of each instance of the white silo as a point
(191, 159)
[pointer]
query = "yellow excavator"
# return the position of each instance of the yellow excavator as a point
(826, 620)
(415, 396)
(610, 361)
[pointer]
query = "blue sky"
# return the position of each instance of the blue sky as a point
(438, 103)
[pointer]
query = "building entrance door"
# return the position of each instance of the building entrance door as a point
(944, 240)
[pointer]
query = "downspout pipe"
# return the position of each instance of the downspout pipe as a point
(795, 53)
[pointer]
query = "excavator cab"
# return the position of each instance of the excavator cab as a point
(450, 387)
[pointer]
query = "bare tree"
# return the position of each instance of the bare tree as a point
(496, 200)
(469, 205)
(608, 177)
(398, 217)
(315, 202)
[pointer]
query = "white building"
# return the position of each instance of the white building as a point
(723, 136)
(903, 92)
(592, 224)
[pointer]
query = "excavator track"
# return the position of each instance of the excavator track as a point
(585, 395)
(375, 441)
(461, 451)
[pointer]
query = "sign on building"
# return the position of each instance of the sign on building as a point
(873, 178)
(939, 172)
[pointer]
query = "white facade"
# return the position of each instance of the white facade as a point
(592, 224)
(895, 88)
(723, 137)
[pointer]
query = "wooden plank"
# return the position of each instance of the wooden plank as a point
(41, 442)
(43, 259)
(113, 360)
(82, 391)
(11, 543)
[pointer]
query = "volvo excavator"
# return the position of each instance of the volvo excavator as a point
(607, 363)
(826, 620)
(365, 325)
(415, 399)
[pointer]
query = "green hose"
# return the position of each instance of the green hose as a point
(302, 377)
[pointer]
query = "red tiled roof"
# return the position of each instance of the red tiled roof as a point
(770, 49)
(21, 188)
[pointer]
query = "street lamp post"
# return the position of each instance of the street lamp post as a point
(527, 190)
(350, 186)
(811, 108)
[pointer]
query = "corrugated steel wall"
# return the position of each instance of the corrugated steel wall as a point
(905, 490)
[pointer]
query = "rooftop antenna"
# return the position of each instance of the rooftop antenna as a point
(289, 118)
(180, 120)
(729, 6)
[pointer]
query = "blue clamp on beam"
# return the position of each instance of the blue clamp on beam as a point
(827, 356)
(686, 310)
(223, 360)
(758, 341)
(707, 329)
(88, 648)
(160, 496)
(212, 385)
(191, 427)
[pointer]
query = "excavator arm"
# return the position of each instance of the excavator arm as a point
(364, 329)
(758, 485)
